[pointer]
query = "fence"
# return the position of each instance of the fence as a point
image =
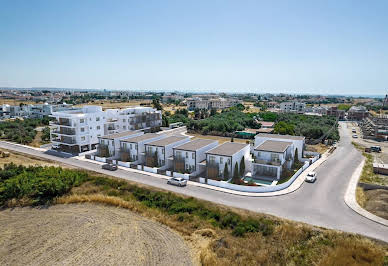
(185, 176)
(125, 164)
(227, 185)
(151, 169)
(100, 159)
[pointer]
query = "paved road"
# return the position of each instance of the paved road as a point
(318, 204)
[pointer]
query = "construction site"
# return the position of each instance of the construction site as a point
(376, 128)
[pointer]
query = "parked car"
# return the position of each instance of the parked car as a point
(109, 166)
(177, 181)
(375, 148)
(354, 130)
(355, 136)
(311, 177)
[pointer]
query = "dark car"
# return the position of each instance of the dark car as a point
(109, 166)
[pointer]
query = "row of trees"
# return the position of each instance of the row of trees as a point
(22, 131)
(237, 173)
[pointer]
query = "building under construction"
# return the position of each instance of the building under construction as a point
(375, 128)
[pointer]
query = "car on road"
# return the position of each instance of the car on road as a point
(355, 136)
(177, 181)
(311, 177)
(375, 148)
(354, 130)
(109, 166)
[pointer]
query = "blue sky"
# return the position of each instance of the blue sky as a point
(329, 47)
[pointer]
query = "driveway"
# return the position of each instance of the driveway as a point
(320, 204)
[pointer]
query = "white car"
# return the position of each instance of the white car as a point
(177, 181)
(311, 177)
(355, 136)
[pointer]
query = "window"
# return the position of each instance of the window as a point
(82, 129)
(162, 150)
(83, 138)
(212, 159)
(187, 155)
(97, 119)
(193, 155)
(228, 161)
(99, 135)
(178, 153)
(98, 127)
(124, 127)
(135, 146)
(124, 120)
(113, 142)
(221, 160)
(82, 120)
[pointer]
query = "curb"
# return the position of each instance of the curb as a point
(350, 197)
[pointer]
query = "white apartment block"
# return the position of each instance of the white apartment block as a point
(77, 130)
(297, 107)
(133, 148)
(226, 154)
(109, 145)
(159, 153)
(212, 103)
(188, 156)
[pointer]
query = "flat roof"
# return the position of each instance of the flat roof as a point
(120, 134)
(280, 136)
(195, 144)
(273, 146)
(167, 141)
(265, 130)
(266, 124)
(143, 137)
(227, 148)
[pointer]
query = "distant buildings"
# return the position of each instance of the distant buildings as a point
(297, 107)
(357, 113)
(30, 110)
(211, 103)
(334, 111)
(78, 130)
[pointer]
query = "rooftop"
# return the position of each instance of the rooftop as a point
(277, 136)
(227, 148)
(273, 146)
(195, 144)
(140, 138)
(120, 134)
(167, 141)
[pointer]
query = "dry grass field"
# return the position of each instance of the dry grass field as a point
(14, 102)
(26, 160)
(87, 234)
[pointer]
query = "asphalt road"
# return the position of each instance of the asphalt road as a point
(320, 204)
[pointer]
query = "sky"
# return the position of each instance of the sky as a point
(318, 47)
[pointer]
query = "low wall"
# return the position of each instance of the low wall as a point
(151, 169)
(168, 173)
(100, 159)
(202, 180)
(367, 186)
(185, 176)
(227, 185)
(125, 164)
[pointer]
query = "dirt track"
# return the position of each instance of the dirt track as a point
(86, 234)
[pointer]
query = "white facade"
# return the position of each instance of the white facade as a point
(191, 154)
(113, 141)
(226, 154)
(78, 130)
(292, 107)
(135, 147)
(164, 150)
(298, 141)
(212, 103)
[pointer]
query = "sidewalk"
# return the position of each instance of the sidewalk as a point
(350, 197)
(294, 186)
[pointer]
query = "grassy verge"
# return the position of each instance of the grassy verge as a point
(367, 175)
(231, 236)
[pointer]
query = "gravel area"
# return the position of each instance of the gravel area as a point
(87, 234)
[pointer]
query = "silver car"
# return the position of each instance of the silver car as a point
(311, 177)
(177, 181)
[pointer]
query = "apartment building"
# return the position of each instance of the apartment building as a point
(133, 148)
(211, 103)
(109, 145)
(270, 157)
(159, 153)
(188, 156)
(297, 107)
(224, 157)
(77, 130)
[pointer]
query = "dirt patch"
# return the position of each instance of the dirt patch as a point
(87, 234)
(26, 160)
(377, 202)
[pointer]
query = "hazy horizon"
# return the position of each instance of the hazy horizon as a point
(299, 47)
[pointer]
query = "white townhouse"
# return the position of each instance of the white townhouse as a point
(77, 130)
(188, 156)
(133, 148)
(225, 156)
(109, 145)
(159, 153)
(297, 141)
(270, 157)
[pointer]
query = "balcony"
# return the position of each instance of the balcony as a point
(64, 140)
(267, 162)
(64, 131)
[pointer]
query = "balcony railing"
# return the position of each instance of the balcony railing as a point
(65, 131)
(268, 162)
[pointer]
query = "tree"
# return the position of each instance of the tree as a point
(156, 104)
(165, 122)
(242, 166)
(155, 159)
(213, 111)
(232, 139)
(236, 177)
(226, 172)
